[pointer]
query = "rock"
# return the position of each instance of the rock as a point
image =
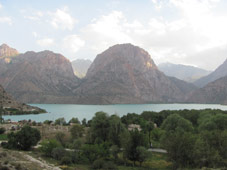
(183, 72)
(80, 67)
(6, 51)
(221, 71)
(126, 74)
(43, 77)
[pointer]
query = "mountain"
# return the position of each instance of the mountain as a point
(80, 67)
(214, 92)
(183, 72)
(6, 51)
(126, 74)
(221, 71)
(8, 103)
(42, 77)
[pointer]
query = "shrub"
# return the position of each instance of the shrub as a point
(98, 164)
(58, 153)
(2, 130)
(47, 146)
(23, 139)
(66, 160)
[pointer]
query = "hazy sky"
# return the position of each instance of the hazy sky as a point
(190, 32)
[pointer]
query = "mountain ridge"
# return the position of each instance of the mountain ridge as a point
(183, 72)
(221, 71)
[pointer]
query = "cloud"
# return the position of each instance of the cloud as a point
(0, 5)
(6, 20)
(35, 34)
(45, 42)
(108, 30)
(61, 19)
(157, 3)
(73, 43)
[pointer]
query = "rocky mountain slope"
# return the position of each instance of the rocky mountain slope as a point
(127, 74)
(7, 103)
(6, 51)
(182, 72)
(43, 77)
(221, 71)
(214, 92)
(80, 67)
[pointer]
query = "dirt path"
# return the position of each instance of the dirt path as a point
(43, 164)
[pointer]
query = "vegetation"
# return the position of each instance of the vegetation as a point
(23, 139)
(193, 139)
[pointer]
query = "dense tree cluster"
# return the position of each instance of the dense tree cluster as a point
(192, 139)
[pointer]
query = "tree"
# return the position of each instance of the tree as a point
(47, 146)
(100, 127)
(24, 139)
(136, 139)
(84, 122)
(77, 131)
(115, 130)
(61, 138)
(74, 120)
(175, 122)
(60, 121)
(142, 154)
(114, 151)
(58, 153)
(180, 146)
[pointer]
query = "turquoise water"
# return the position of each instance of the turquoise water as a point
(87, 111)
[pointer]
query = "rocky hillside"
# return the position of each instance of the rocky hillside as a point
(214, 92)
(183, 72)
(6, 51)
(43, 77)
(127, 74)
(11, 106)
(221, 71)
(80, 67)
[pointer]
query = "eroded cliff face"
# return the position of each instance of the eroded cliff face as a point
(43, 77)
(127, 74)
(6, 51)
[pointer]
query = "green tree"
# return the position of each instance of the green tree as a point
(100, 127)
(60, 121)
(180, 146)
(136, 139)
(74, 120)
(77, 131)
(47, 146)
(175, 122)
(24, 139)
(142, 154)
(115, 129)
(61, 138)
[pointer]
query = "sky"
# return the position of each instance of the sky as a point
(191, 32)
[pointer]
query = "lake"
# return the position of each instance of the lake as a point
(87, 111)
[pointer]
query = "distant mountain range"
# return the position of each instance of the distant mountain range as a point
(122, 74)
(221, 71)
(183, 72)
(80, 67)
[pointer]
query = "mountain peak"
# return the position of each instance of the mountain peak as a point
(126, 55)
(6, 51)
